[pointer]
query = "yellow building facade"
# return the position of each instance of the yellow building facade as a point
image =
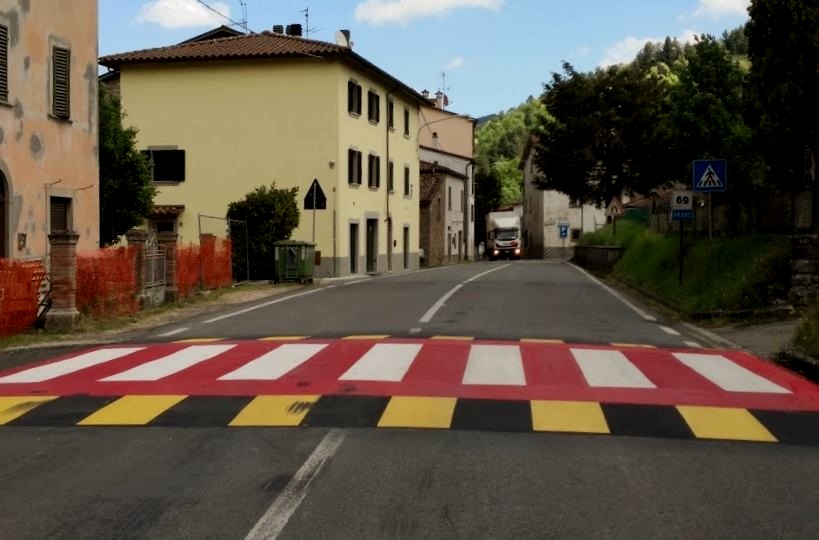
(49, 171)
(315, 111)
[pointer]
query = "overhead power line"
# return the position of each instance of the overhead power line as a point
(239, 24)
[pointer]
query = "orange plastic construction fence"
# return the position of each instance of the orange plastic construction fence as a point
(208, 265)
(106, 282)
(19, 295)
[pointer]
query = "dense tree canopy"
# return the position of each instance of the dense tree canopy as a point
(126, 190)
(271, 215)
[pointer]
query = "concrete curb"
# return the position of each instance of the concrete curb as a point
(714, 339)
(59, 345)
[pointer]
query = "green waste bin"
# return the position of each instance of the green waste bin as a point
(294, 261)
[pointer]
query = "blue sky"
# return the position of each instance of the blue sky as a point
(495, 53)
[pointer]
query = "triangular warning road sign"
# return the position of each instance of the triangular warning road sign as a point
(710, 179)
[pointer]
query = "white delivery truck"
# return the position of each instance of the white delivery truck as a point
(503, 235)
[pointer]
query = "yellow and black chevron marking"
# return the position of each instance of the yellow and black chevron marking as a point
(685, 422)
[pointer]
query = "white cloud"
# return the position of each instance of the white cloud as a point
(182, 13)
(377, 12)
(626, 49)
(455, 63)
(721, 8)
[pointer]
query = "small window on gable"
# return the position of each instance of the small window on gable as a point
(373, 107)
(353, 97)
(4, 63)
(61, 82)
(166, 165)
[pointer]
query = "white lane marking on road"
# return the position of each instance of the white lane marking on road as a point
(168, 365)
(383, 362)
(609, 369)
(272, 365)
(173, 332)
(614, 293)
(473, 278)
(439, 304)
(671, 331)
(728, 375)
(274, 520)
(693, 344)
(415, 330)
(495, 365)
(356, 281)
(442, 301)
(260, 306)
(69, 365)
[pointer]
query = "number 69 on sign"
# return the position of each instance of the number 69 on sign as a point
(682, 205)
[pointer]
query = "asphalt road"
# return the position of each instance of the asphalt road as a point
(170, 482)
(499, 300)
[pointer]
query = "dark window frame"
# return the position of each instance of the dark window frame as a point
(61, 82)
(391, 114)
(373, 106)
(169, 172)
(391, 176)
(59, 214)
(353, 98)
(407, 182)
(406, 122)
(373, 171)
(354, 174)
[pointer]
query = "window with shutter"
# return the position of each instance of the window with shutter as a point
(406, 122)
(4, 63)
(353, 97)
(373, 107)
(59, 214)
(61, 82)
(406, 181)
(391, 177)
(391, 114)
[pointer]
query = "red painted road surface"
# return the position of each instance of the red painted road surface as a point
(464, 369)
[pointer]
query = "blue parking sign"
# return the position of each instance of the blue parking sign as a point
(563, 228)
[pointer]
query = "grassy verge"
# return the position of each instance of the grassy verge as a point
(806, 339)
(725, 274)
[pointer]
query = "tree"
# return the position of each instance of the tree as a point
(487, 199)
(783, 46)
(271, 215)
(126, 191)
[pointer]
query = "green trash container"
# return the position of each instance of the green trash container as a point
(294, 261)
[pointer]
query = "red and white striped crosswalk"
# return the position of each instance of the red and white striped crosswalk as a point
(493, 370)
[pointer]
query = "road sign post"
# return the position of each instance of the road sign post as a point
(315, 200)
(615, 210)
(682, 210)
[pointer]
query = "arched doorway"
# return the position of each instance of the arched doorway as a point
(4, 216)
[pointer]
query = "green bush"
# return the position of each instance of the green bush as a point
(807, 335)
(627, 231)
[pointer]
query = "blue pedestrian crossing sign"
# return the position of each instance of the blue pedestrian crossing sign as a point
(710, 175)
(563, 228)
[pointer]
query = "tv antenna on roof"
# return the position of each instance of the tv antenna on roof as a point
(307, 29)
(243, 3)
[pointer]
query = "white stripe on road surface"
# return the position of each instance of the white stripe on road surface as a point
(69, 365)
(442, 301)
(439, 304)
(728, 375)
(260, 306)
(384, 362)
(274, 364)
(614, 293)
(693, 344)
(671, 331)
(271, 524)
(168, 365)
(494, 364)
(609, 369)
(173, 332)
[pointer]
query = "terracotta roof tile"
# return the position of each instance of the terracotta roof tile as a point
(264, 45)
(432, 168)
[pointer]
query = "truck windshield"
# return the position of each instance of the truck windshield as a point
(506, 234)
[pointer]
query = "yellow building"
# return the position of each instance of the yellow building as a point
(224, 116)
(49, 173)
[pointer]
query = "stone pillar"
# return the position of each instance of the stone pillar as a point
(63, 313)
(168, 241)
(137, 238)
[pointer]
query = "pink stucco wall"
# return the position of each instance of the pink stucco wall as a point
(42, 156)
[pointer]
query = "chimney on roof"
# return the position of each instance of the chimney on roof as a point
(425, 93)
(293, 30)
(278, 29)
(440, 100)
(343, 38)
